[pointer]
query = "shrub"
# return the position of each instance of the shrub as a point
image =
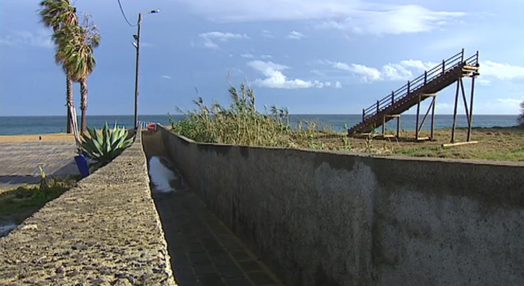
(105, 145)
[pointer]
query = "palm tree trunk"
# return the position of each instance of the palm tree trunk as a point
(83, 102)
(69, 101)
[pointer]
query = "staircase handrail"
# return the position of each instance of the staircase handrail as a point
(420, 81)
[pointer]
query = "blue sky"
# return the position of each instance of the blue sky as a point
(312, 56)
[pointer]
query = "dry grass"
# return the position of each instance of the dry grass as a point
(500, 144)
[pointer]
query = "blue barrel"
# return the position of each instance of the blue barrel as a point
(82, 165)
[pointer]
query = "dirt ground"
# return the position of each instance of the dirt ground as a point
(37, 137)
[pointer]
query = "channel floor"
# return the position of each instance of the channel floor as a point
(203, 250)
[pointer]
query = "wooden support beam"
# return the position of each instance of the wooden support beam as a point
(393, 115)
(455, 114)
(459, 144)
(422, 138)
(417, 119)
(433, 118)
(429, 95)
(471, 108)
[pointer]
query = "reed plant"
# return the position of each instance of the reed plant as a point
(241, 123)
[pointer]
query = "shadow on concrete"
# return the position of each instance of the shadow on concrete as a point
(203, 250)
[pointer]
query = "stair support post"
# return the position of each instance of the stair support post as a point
(384, 126)
(363, 114)
(418, 115)
(398, 126)
(471, 107)
(455, 113)
(433, 117)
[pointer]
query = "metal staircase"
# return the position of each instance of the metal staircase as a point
(415, 91)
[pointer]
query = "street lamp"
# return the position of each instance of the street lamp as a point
(137, 46)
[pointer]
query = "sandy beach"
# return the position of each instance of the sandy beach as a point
(37, 137)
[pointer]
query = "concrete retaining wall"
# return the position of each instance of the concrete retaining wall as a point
(104, 231)
(324, 218)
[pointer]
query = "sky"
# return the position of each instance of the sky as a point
(311, 56)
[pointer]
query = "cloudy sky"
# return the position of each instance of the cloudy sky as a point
(312, 56)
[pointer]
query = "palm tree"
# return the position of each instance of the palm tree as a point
(77, 46)
(58, 14)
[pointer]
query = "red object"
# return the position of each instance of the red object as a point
(151, 127)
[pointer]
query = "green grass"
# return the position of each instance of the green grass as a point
(21, 202)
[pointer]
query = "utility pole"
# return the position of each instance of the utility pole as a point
(137, 72)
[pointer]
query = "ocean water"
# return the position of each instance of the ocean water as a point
(57, 124)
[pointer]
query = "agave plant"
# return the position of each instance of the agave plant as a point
(105, 145)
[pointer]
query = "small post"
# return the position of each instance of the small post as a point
(409, 87)
(443, 66)
(378, 103)
(455, 114)
(462, 56)
(363, 114)
(471, 107)
(425, 77)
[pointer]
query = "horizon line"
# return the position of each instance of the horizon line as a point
(178, 114)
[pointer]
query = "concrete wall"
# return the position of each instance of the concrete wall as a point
(324, 218)
(104, 231)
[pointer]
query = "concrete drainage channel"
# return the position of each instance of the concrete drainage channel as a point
(202, 250)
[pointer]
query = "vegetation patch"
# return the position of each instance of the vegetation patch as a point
(241, 123)
(18, 204)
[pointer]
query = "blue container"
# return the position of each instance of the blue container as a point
(82, 165)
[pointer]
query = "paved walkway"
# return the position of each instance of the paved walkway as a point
(19, 161)
(203, 251)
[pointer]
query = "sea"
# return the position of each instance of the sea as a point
(20, 125)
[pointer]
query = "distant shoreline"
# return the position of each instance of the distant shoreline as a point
(291, 114)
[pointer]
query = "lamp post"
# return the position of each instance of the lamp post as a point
(137, 46)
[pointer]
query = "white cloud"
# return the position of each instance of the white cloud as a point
(247, 56)
(403, 71)
(500, 71)
(166, 77)
(338, 84)
(295, 35)
(266, 57)
(210, 38)
(267, 34)
(409, 69)
(391, 19)
(39, 39)
(349, 15)
(276, 79)
(418, 65)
